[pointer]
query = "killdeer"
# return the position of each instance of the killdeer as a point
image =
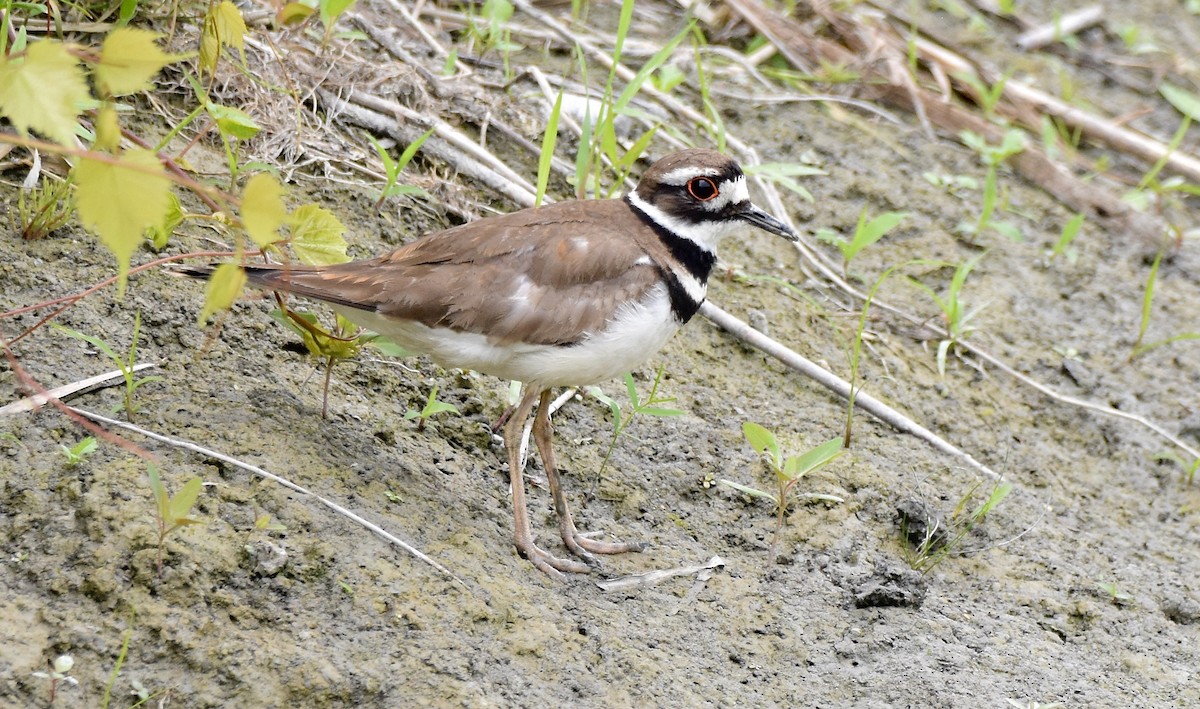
(569, 294)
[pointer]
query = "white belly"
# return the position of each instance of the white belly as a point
(631, 337)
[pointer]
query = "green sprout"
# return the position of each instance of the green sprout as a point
(788, 471)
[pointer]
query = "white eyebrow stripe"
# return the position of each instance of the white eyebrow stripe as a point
(680, 175)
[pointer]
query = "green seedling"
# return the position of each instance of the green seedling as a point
(44, 208)
(866, 232)
(234, 127)
(938, 543)
(987, 97)
(957, 185)
(432, 407)
(1189, 469)
(172, 512)
(76, 453)
(856, 351)
(1115, 594)
(1063, 246)
(598, 143)
(1140, 347)
(992, 157)
(787, 470)
(330, 11)
(125, 365)
(393, 168)
(344, 342)
(263, 523)
(59, 673)
(106, 700)
(652, 405)
(954, 311)
(492, 31)
(546, 159)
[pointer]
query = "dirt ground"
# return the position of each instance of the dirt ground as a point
(1080, 588)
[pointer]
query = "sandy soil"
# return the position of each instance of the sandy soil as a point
(327, 614)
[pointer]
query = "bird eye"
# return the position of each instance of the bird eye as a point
(702, 188)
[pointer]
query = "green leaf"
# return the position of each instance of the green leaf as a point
(233, 122)
(262, 209)
(762, 440)
(120, 199)
(181, 503)
(659, 411)
(389, 348)
(631, 389)
(294, 13)
(437, 407)
(1183, 100)
(317, 236)
(331, 10)
(161, 233)
(224, 26)
(547, 157)
(224, 287)
(129, 60)
(607, 400)
(751, 491)
(869, 232)
(799, 466)
(44, 91)
(635, 84)
(93, 341)
(161, 500)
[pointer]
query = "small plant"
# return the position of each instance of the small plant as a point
(112, 678)
(59, 672)
(957, 185)
(1115, 594)
(788, 471)
(432, 407)
(344, 342)
(172, 512)
(957, 317)
(866, 232)
(1063, 246)
(393, 168)
(132, 382)
(76, 453)
(992, 156)
(929, 548)
(1140, 347)
(651, 406)
(43, 209)
(987, 97)
(493, 32)
(263, 523)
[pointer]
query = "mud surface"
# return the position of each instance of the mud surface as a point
(1079, 588)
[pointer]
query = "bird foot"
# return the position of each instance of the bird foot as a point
(552, 565)
(582, 545)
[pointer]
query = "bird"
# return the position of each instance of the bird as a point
(573, 293)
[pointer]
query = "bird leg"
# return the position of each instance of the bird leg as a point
(581, 546)
(543, 560)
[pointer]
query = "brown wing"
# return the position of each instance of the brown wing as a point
(546, 275)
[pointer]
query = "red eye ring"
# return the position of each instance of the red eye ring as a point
(703, 188)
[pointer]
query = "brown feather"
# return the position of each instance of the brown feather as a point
(549, 275)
